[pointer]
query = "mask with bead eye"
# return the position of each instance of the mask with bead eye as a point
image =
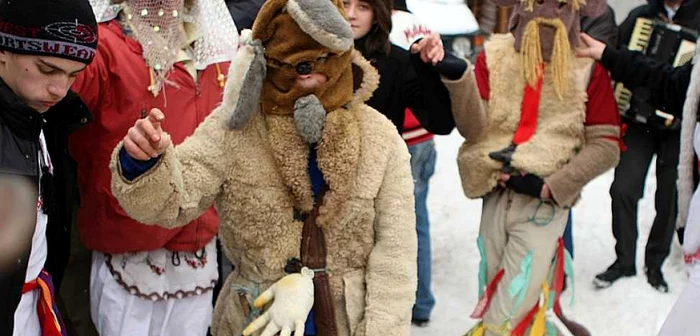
(305, 49)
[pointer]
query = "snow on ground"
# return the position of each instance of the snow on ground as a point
(629, 307)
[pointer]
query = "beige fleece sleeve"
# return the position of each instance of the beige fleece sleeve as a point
(600, 153)
(468, 109)
(183, 184)
(391, 270)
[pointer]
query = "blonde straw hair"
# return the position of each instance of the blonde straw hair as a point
(531, 53)
(575, 4)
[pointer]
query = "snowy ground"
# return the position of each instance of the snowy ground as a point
(630, 307)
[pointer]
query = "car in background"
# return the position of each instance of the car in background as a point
(455, 23)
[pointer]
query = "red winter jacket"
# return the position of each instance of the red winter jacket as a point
(114, 87)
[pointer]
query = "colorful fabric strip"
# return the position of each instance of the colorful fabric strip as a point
(522, 326)
(529, 113)
(539, 325)
(691, 258)
(482, 265)
(518, 286)
(486, 297)
(49, 316)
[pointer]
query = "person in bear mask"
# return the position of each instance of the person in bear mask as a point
(313, 187)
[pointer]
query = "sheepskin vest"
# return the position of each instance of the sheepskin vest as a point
(560, 126)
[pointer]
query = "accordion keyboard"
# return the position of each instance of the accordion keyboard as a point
(665, 42)
(641, 34)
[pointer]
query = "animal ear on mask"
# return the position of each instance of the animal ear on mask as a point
(593, 8)
(244, 84)
(262, 29)
(323, 20)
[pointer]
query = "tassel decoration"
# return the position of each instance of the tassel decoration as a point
(486, 297)
(482, 265)
(519, 284)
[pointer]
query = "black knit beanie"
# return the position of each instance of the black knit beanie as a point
(59, 28)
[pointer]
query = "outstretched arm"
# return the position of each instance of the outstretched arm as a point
(422, 89)
(184, 181)
(635, 70)
(468, 104)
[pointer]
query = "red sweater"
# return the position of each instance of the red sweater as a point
(413, 132)
(114, 87)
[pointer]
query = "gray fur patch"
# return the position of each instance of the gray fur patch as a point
(324, 19)
(251, 89)
(309, 116)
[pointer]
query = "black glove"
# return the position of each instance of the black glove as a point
(452, 67)
(528, 184)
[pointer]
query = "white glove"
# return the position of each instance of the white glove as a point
(294, 298)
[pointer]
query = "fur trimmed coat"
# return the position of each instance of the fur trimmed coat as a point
(257, 177)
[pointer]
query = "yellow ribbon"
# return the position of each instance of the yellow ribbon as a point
(539, 325)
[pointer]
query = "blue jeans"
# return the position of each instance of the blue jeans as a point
(422, 167)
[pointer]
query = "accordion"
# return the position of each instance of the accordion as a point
(666, 43)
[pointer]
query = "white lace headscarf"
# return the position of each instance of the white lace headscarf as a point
(158, 26)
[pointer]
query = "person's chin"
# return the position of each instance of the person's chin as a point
(41, 108)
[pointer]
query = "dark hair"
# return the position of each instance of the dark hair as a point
(377, 39)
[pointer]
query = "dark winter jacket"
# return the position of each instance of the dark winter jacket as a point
(405, 81)
(635, 70)
(602, 28)
(20, 127)
(244, 12)
(688, 15)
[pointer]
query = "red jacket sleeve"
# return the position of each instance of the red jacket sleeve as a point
(481, 72)
(93, 84)
(601, 108)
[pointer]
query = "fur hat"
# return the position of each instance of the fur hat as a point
(292, 38)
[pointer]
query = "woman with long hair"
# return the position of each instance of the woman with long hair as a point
(406, 80)
(411, 94)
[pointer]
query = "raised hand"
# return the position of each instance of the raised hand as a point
(294, 298)
(430, 49)
(146, 139)
(590, 48)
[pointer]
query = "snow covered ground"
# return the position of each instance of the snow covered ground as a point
(630, 307)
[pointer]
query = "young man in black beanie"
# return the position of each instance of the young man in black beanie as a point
(44, 45)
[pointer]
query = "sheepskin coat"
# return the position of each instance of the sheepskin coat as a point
(257, 177)
(565, 150)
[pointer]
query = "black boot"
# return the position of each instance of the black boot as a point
(420, 322)
(656, 279)
(612, 274)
